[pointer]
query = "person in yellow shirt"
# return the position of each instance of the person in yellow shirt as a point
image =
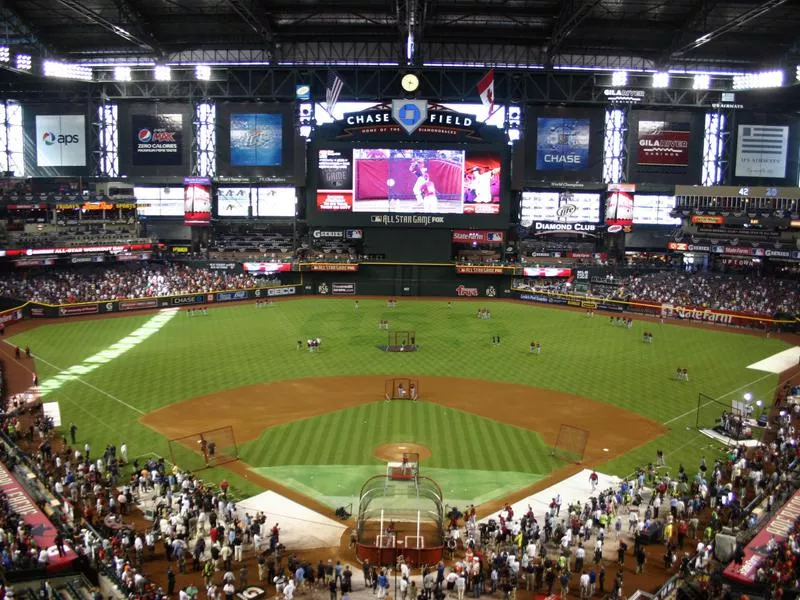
(668, 529)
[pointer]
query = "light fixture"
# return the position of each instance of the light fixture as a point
(619, 78)
(23, 62)
(54, 68)
(661, 79)
(748, 396)
(514, 133)
(5, 54)
(764, 79)
(797, 72)
(202, 72)
(122, 74)
(162, 73)
(702, 81)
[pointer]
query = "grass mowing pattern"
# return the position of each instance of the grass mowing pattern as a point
(240, 345)
(457, 440)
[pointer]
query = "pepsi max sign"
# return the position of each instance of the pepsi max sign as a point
(157, 140)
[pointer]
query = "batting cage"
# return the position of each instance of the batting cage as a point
(204, 449)
(400, 516)
(401, 388)
(401, 341)
(571, 443)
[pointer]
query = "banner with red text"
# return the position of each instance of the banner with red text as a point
(478, 236)
(42, 530)
(756, 551)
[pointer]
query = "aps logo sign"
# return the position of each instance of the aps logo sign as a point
(51, 138)
(60, 141)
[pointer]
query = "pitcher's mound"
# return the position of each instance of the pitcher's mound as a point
(394, 452)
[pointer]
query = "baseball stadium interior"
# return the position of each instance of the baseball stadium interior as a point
(616, 180)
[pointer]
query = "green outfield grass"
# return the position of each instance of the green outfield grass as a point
(240, 345)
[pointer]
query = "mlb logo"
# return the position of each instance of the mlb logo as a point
(494, 236)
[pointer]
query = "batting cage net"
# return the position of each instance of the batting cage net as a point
(401, 341)
(401, 388)
(397, 517)
(571, 443)
(204, 449)
(732, 419)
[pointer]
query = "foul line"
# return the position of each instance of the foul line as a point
(688, 412)
(87, 384)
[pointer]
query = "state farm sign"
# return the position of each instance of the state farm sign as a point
(468, 236)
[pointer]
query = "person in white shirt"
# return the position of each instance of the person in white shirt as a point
(585, 586)
(461, 586)
(288, 591)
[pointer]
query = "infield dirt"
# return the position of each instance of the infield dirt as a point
(250, 410)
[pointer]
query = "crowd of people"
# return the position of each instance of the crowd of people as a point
(95, 284)
(714, 291)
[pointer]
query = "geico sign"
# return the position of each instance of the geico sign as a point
(319, 233)
(565, 227)
(50, 138)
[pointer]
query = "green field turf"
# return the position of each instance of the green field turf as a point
(240, 345)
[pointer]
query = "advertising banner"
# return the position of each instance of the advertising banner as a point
(266, 267)
(138, 304)
(664, 144)
(60, 141)
(562, 144)
(543, 298)
(481, 270)
(546, 272)
(707, 219)
(756, 552)
(42, 530)
(228, 296)
(197, 201)
(560, 207)
(157, 140)
(761, 151)
(340, 267)
(80, 309)
(343, 289)
(256, 139)
(468, 236)
(11, 316)
(281, 291)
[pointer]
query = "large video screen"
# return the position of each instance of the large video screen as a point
(649, 209)
(256, 139)
(408, 180)
(159, 201)
(562, 207)
(256, 202)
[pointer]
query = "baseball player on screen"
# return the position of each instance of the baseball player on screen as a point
(424, 189)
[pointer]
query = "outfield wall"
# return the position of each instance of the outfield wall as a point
(398, 280)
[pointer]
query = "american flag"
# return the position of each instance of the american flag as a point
(332, 90)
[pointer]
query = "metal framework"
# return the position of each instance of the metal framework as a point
(108, 140)
(263, 83)
(92, 16)
(205, 139)
(716, 148)
(615, 154)
(11, 139)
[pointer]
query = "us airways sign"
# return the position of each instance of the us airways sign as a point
(406, 118)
